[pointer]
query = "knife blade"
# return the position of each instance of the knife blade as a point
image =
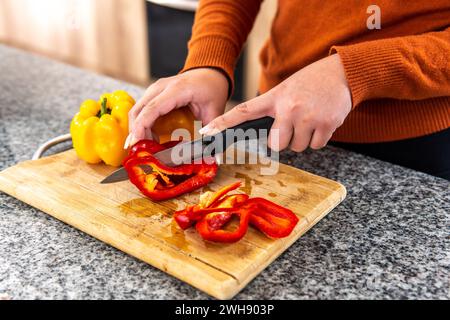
(165, 157)
(188, 151)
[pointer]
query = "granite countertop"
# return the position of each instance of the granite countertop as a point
(388, 239)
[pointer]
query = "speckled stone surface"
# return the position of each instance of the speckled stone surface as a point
(390, 238)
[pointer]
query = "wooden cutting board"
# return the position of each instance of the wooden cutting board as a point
(69, 190)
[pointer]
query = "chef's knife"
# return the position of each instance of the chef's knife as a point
(198, 147)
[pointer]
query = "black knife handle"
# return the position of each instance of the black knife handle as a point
(257, 124)
(264, 123)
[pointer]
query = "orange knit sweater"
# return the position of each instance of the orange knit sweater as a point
(399, 75)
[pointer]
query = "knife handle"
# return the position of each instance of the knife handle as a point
(264, 123)
(257, 124)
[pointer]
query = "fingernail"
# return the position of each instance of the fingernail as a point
(218, 158)
(127, 142)
(204, 130)
(208, 130)
(133, 140)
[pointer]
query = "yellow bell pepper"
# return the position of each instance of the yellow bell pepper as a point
(100, 128)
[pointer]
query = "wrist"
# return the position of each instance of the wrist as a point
(339, 71)
(219, 76)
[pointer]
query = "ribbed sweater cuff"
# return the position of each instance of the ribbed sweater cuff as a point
(372, 68)
(213, 52)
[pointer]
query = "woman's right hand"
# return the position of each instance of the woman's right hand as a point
(204, 90)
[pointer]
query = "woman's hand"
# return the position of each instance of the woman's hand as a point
(204, 90)
(308, 107)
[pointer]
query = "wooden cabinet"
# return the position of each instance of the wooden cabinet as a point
(107, 36)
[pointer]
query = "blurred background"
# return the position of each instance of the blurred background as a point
(137, 41)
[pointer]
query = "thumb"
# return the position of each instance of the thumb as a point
(249, 110)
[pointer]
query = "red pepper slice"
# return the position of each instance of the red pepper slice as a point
(210, 227)
(224, 207)
(209, 199)
(188, 216)
(216, 209)
(273, 220)
(165, 182)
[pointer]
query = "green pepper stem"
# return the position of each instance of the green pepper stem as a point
(103, 109)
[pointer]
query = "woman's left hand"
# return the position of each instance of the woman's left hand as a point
(307, 107)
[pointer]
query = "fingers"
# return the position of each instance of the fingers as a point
(209, 114)
(151, 92)
(162, 104)
(149, 134)
(252, 109)
(320, 138)
(301, 138)
(280, 133)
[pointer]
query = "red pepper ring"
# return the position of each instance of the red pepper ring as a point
(210, 227)
(216, 209)
(188, 216)
(273, 220)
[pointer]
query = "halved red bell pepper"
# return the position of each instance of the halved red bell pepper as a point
(165, 182)
(151, 146)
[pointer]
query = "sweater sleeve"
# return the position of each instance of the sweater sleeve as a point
(220, 29)
(407, 68)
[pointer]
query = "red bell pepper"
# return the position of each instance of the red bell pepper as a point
(165, 182)
(148, 147)
(216, 209)
(273, 220)
(209, 200)
(210, 227)
(151, 146)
